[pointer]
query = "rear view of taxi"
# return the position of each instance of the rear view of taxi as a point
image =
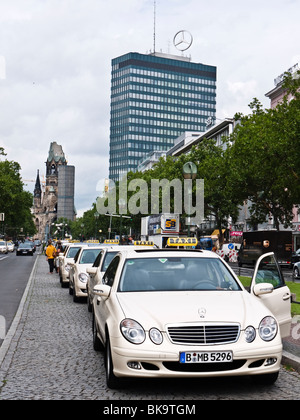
(181, 313)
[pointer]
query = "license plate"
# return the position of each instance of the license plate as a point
(206, 357)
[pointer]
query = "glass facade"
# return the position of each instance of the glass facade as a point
(155, 98)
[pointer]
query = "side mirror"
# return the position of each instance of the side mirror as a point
(91, 270)
(263, 289)
(102, 290)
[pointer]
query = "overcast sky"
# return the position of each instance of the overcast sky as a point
(55, 65)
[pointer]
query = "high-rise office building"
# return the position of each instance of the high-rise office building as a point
(154, 99)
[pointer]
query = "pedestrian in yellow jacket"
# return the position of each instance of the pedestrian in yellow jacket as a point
(50, 254)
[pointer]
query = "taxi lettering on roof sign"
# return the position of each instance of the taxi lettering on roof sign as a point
(111, 241)
(182, 242)
(145, 243)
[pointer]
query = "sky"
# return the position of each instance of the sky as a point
(55, 68)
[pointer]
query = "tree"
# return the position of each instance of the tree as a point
(14, 201)
(214, 166)
(264, 160)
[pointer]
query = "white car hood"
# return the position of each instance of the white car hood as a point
(157, 309)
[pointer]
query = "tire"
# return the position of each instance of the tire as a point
(89, 305)
(97, 345)
(111, 380)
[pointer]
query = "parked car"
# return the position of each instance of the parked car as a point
(64, 262)
(78, 276)
(180, 313)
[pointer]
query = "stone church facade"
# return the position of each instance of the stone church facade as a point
(56, 199)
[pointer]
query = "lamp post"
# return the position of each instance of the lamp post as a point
(96, 215)
(189, 171)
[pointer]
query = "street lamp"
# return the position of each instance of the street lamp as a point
(189, 171)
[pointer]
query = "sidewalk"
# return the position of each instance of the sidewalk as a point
(291, 346)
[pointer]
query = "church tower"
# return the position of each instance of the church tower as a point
(37, 193)
(46, 203)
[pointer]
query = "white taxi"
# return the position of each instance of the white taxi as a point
(3, 247)
(96, 272)
(65, 259)
(78, 276)
(184, 313)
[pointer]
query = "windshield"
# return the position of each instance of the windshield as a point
(72, 252)
(176, 273)
(88, 256)
(107, 259)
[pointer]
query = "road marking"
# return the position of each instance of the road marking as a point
(3, 258)
(2, 327)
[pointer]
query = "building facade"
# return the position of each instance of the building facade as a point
(154, 99)
(56, 200)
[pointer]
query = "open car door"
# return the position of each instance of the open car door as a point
(269, 286)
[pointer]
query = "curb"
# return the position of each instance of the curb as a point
(291, 360)
(12, 330)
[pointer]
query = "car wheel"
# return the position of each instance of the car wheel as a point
(266, 379)
(90, 306)
(75, 297)
(97, 345)
(111, 380)
(296, 272)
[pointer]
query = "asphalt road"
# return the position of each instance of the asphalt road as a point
(14, 275)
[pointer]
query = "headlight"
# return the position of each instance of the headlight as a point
(250, 334)
(67, 267)
(83, 277)
(155, 336)
(132, 331)
(268, 328)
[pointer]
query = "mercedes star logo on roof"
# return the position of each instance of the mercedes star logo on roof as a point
(183, 40)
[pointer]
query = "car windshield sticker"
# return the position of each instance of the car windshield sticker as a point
(163, 260)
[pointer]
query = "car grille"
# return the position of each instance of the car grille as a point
(204, 334)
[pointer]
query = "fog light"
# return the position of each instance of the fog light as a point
(271, 361)
(134, 365)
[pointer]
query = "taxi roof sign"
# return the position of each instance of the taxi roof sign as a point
(182, 242)
(112, 241)
(145, 243)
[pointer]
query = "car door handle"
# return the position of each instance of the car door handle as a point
(286, 296)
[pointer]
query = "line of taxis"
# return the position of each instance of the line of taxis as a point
(178, 311)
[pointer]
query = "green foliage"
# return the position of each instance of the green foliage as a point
(15, 202)
(264, 158)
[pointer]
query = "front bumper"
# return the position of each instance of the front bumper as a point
(135, 361)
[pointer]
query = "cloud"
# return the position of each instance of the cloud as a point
(55, 67)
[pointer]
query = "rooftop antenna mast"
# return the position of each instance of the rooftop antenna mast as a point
(154, 29)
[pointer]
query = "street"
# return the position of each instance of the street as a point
(14, 275)
(51, 357)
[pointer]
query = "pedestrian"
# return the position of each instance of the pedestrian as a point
(59, 249)
(50, 254)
